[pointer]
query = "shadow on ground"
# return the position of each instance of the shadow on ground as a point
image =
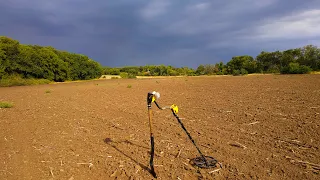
(109, 142)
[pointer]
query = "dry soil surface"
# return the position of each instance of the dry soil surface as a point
(257, 127)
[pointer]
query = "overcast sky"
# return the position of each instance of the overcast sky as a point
(170, 32)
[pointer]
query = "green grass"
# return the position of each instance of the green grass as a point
(18, 81)
(129, 86)
(5, 105)
(48, 91)
(125, 75)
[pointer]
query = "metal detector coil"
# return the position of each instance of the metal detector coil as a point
(208, 162)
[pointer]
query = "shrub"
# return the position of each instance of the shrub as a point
(131, 76)
(220, 73)
(305, 69)
(284, 70)
(243, 71)
(16, 80)
(6, 105)
(236, 72)
(125, 75)
(295, 68)
(273, 69)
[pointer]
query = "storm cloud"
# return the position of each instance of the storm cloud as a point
(178, 33)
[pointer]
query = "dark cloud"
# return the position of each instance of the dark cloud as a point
(179, 33)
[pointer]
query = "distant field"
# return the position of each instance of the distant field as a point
(258, 127)
(110, 77)
(148, 77)
(139, 77)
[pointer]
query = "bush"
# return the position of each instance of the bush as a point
(243, 71)
(284, 70)
(5, 105)
(296, 68)
(273, 69)
(221, 73)
(236, 72)
(132, 76)
(305, 69)
(125, 75)
(16, 80)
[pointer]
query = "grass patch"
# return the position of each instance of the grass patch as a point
(18, 81)
(125, 75)
(48, 91)
(129, 86)
(315, 72)
(5, 105)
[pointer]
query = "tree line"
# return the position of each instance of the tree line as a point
(33, 61)
(149, 70)
(293, 61)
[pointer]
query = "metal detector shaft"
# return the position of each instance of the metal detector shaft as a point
(149, 100)
(152, 144)
(185, 130)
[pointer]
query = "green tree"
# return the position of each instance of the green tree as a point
(242, 62)
(200, 70)
(3, 64)
(310, 56)
(269, 61)
(10, 51)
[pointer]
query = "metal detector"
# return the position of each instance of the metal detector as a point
(151, 98)
(202, 161)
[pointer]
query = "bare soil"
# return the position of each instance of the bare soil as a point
(257, 127)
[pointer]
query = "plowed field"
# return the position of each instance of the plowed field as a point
(257, 127)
